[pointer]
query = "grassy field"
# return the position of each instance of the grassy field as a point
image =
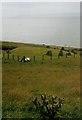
(21, 82)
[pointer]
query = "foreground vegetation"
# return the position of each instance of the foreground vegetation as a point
(23, 81)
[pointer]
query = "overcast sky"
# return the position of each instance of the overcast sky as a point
(48, 23)
(41, 0)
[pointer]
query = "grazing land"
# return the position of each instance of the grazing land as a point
(22, 81)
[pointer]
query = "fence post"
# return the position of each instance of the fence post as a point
(74, 55)
(51, 57)
(18, 58)
(66, 55)
(3, 56)
(13, 57)
(42, 57)
(34, 58)
(8, 55)
(58, 56)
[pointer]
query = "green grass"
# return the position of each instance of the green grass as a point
(23, 81)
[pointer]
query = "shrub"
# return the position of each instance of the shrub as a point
(73, 51)
(49, 53)
(62, 48)
(48, 108)
(48, 46)
(8, 47)
(60, 53)
(80, 49)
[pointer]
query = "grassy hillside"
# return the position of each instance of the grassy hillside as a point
(23, 81)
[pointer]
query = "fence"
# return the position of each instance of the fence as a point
(7, 56)
(43, 58)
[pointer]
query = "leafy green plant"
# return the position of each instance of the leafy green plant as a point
(48, 108)
(5, 47)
